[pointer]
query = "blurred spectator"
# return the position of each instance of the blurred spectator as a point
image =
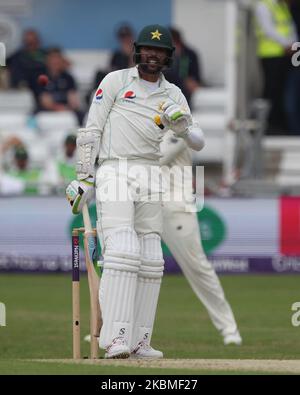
(185, 71)
(60, 94)
(275, 35)
(122, 58)
(22, 171)
(292, 97)
(9, 185)
(6, 145)
(4, 78)
(27, 63)
(61, 171)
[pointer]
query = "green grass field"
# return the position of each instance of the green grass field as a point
(39, 324)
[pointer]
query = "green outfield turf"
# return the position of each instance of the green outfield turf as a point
(39, 323)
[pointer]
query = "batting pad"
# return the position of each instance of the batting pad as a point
(118, 285)
(148, 288)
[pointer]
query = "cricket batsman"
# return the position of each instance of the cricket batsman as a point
(122, 138)
(182, 235)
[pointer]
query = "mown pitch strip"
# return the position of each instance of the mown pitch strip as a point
(242, 365)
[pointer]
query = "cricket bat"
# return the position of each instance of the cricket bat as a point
(93, 280)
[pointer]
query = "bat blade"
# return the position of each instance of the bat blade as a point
(76, 294)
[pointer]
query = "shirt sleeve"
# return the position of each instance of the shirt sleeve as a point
(195, 137)
(102, 103)
(266, 23)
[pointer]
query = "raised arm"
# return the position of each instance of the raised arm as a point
(177, 117)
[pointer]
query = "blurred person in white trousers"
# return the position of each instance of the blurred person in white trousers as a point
(181, 233)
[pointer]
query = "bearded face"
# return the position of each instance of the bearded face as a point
(153, 59)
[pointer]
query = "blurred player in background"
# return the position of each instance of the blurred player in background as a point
(182, 235)
(121, 126)
(292, 96)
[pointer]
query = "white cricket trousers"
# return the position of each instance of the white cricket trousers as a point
(182, 235)
(129, 227)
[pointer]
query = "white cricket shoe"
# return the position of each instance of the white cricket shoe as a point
(144, 350)
(118, 349)
(233, 338)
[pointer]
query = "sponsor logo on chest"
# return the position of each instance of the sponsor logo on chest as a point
(128, 97)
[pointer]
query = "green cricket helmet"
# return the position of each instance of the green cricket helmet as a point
(154, 36)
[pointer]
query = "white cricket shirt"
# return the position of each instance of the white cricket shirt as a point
(123, 111)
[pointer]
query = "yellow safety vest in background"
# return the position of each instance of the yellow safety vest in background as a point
(266, 47)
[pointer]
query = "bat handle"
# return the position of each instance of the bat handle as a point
(158, 122)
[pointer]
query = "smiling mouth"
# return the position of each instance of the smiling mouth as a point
(153, 61)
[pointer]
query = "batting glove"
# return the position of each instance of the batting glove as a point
(176, 118)
(78, 193)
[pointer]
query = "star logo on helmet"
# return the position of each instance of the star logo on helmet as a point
(156, 35)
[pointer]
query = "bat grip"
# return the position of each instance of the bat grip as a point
(158, 122)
